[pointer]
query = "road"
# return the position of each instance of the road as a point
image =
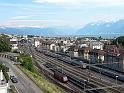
(25, 84)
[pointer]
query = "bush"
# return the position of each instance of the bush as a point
(26, 62)
(6, 76)
(5, 70)
(15, 51)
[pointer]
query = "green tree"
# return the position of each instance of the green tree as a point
(119, 41)
(5, 70)
(26, 62)
(4, 44)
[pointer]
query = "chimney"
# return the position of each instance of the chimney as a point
(1, 75)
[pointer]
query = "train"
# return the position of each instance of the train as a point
(49, 65)
(109, 73)
(64, 77)
(60, 76)
(64, 58)
(74, 62)
(80, 64)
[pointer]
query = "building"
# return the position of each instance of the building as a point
(14, 43)
(73, 51)
(84, 52)
(36, 42)
(96, 56)
(114, 56)
(3, 84)
(121, 61)
(96, 45)
(55, 47)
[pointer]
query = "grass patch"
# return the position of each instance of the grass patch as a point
(12, 89)
(46, 86)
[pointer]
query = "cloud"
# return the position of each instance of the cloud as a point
(83, 2)
(29, 9)
(35, 23)
(12, 5)
(30, 20)
(21, 17)
(57, 1)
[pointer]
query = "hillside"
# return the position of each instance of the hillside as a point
(103, 28)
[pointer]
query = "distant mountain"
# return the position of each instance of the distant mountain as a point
(35, 31)
(28, 31)
(103, 28)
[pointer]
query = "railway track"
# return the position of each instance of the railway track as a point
(69, 70)
(73, 71)
(79, 82)
(75, 83)
(92, 79)
(69, 87)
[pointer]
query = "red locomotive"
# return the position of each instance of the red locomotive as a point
(61, 77)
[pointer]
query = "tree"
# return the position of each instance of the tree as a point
(119, 41)
(5, 70)
(4, 45)
(99, 38)
(27, 62)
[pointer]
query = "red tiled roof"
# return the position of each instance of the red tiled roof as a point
(122, 54)
(113, 50)
(99, 52)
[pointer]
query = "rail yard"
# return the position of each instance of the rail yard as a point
(72, 77)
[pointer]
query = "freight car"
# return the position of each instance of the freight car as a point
(80, 64)
(61, 77)
(49, 65)
(65, 59)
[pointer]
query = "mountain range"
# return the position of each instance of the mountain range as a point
(103, 28)
(55, 31)
(96, 28)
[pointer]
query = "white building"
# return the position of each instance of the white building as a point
(3, 84)
(96, 45)
(36, 43)
(14, 43)
(3, 88)
(83, 45)
(54, 47)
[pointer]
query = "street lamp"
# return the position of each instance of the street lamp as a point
(100, 71)
(16, 59)
(89, 70)
(84, 84)
(116, 79)
(31, 56)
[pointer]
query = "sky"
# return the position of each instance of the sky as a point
(59, 13)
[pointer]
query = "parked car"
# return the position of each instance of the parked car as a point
(13, 79)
